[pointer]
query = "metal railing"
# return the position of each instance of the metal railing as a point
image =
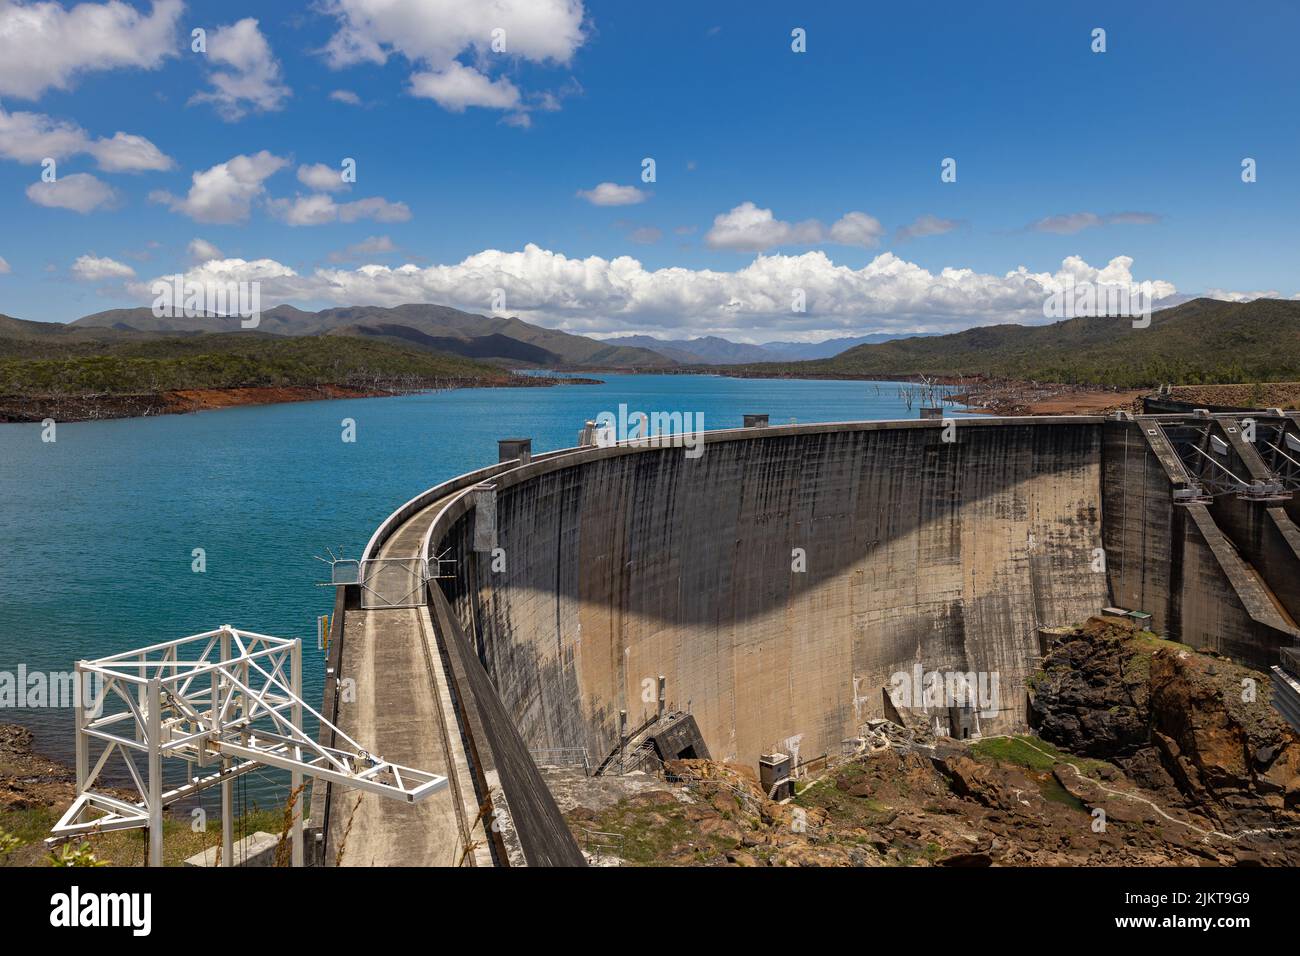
(596, 841)
(391, 583)
(562, 757)
(1290, 660)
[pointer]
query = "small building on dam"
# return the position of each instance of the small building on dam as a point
(783, 586)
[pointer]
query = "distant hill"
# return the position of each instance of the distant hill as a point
(233, 360)
(829, 348)
(712, 350)
(502, 340)
(1203, 341)
(705, 350)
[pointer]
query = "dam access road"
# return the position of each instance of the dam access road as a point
(774, 583)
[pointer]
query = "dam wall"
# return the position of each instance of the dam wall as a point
(1174, 561)
(1264, 534)
(778, 580)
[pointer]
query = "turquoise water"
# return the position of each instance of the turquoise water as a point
(97, 529)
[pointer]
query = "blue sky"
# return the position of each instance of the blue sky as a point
(775, 170)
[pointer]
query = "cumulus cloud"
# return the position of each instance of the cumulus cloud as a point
(32, 137)
(248, 75)
(95, 269)
(80, 192)
(224, 193)
(434, 36)
(857, 229)
(458, 87)
(925, 225)
(1067, 224)
(45, 46)
(612, 194)
(322, 178)
(317, 210)
(345, 96)
(617, 295)
(1228, 295)
(200, 250)
(747, 228)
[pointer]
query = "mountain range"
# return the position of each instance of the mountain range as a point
(1203, 341)
(712, 350)
(504, 341)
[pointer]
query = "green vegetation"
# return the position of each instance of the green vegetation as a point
(1197, 343)
(79, 855)
(1028, 751)
(28, 828)
(8, 844)
(225, 360)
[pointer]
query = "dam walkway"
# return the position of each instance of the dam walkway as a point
(398, 699)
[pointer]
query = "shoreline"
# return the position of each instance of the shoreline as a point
(29, 409)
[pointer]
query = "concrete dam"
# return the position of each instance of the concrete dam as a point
(772, 587)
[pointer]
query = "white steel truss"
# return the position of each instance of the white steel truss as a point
(227, 699)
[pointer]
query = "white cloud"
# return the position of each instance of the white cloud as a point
(748, 228)
(321, 178)
(1227, 295)
(252, 82)
(616, 295)
(200, 250)
(612, 194)
(225, 193)
(458, 86)
(345, 96)
(926, 225)
(318, 210)
(125, 153)
(1067, 224)
(95, 269)
(433, 35)
(80, 192)
(857, 229)
(646, 235)
(32, 137)
(45, 46)
(4, 267)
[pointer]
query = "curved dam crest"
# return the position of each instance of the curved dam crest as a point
(640, 563)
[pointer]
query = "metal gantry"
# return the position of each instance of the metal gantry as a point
(1206, 476)
(1280, 449)
(227, 699)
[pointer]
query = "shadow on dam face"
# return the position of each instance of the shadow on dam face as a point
(621, 565)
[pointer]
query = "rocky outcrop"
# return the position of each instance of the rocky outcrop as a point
(1196, 729)
(1091, 695)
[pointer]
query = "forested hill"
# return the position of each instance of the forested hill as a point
(1204, 341)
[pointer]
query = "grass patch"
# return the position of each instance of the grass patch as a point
(1032, 753)
(129, 847)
